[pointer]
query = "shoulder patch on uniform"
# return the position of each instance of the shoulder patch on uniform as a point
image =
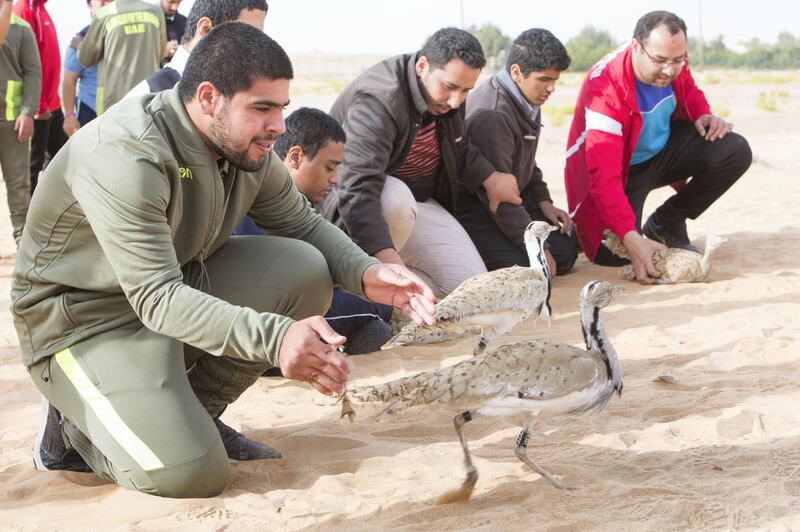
(19, 21)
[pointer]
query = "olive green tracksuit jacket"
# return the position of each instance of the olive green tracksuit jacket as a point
(20, 72)
(128, 39)
(127, 203)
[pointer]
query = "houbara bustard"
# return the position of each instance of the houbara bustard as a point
(675, 265)
(490, 304)
(531, 378)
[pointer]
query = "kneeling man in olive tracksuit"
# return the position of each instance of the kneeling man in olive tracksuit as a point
(127, 275)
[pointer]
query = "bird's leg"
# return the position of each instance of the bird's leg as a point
(463, 493)
(520, 451)
(483, 341)
(347, 408)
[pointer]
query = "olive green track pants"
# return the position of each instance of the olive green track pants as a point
(135, 413)
(15, 165)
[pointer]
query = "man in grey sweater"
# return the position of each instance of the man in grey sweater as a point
(406, 157)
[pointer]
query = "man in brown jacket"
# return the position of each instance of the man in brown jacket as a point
(504, 121)
(407, 154)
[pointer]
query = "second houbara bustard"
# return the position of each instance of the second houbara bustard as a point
(491, 303)
(531, 378)
(675, 265)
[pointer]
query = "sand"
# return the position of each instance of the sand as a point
(718, 448)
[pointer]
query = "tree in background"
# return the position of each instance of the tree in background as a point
(495, 44)
(785, 53)
(716, 54)
(588, 47)
(591, 44)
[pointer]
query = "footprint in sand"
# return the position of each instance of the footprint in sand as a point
(215, 514)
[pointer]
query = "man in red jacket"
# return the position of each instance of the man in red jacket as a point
(641, 123)
(48, 133)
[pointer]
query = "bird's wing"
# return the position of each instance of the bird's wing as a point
(533, 365)
(558, 374)
(535, 369)
(505, 289)
(681, 266)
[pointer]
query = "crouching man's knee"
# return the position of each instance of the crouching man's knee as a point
(733, 155)
(309, 285)
(742, 152)
(399, 209)
(202, 477)
(564, 251)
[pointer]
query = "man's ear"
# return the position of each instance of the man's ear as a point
(421, 65)
(294, 157)
(207, 97)
(516, 73)
(204, 25)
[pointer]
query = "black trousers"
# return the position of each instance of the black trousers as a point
(497, 251)
(48, 137)
(85, 114)
(713, 167)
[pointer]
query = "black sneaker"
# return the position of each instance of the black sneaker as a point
(242, 449)
(50, 453)
(369, 338)
(272, 372)
(672, 235)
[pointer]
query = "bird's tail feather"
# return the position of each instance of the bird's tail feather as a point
(404, 337)
(429, 334)
(596, 404)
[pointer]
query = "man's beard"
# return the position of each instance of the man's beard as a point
(220, 137)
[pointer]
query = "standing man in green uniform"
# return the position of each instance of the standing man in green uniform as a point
(128, 39)
(20, 85)
(127, 273)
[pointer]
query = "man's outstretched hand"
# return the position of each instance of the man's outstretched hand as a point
(556, 216)
(395, 285)
(309, 353)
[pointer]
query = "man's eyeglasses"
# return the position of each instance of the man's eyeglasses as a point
(664, 63)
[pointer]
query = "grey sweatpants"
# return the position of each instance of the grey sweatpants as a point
(136, 415)
(15, 164)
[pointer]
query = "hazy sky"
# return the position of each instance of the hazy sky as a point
(391, 27)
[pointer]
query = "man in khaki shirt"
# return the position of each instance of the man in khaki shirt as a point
(127, 273)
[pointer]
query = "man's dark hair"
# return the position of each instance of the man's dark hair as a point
(652, 20)
(452, 43)
(218, 11)
(232, 56)
(311, 129)
(537, 49)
